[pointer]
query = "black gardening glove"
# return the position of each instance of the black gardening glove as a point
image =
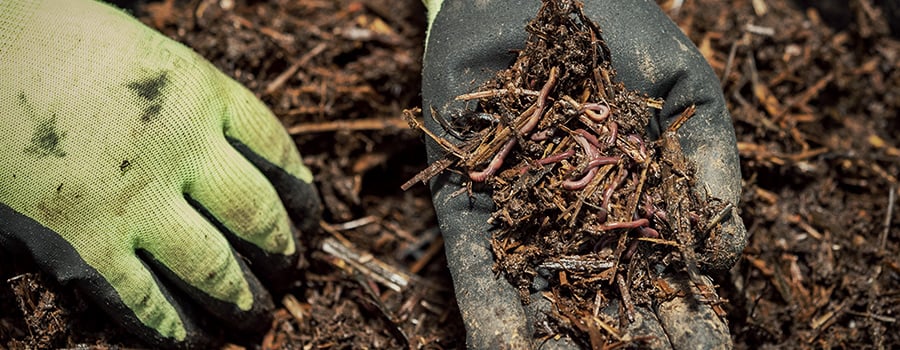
(468, 43)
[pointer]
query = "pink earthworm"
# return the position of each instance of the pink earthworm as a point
(694, 218)
(543, 134)
(613, 133)
(612, 187)
(494, 165)
(591, 149)
(556, 157)
(542, 100)
(589, 138)
(627, 224)
(602, 215)
(590, 108)
(497, 161)
(550, 159)
(582, 138)
(596, 162)
(574, 185)
(651, 211)
(648, 232)
(643, 232)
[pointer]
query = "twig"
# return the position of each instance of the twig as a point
(494, 165)
(530, 123)
(626, 297)
(423, 176)
(577, 264)
(729, 63)
(288, 73)
(348, 125)
(639, 191)
(409, 116)
(352, 224)
(294, 307)
(486, 150)
(445, 124)
(882, 241)
(721, 215)
(759, 30)
(495, 92)
(881, 318)
(367, 264)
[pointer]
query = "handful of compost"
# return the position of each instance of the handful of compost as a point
(588, 205)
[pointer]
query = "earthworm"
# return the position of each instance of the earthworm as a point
(613, 133)
(590, 108)
(627, 224)
(596, 162)
(556, 157)
(602, 215)
(543, 134)
(648, 232)
(582, 138)
(574, 185)
(494, 165)
(643, 232)
(694, 218)
(651, 211)
(592, 171)
(589, 138)
(542, 99)
(612, 187)
(497, 161)
(550, 159)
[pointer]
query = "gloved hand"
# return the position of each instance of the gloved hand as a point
(130, 167)
(469, 41)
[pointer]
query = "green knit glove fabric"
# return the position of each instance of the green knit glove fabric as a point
(130, 166)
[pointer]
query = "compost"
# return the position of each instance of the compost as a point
(814, 105)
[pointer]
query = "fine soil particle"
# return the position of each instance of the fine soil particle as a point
(814, 107)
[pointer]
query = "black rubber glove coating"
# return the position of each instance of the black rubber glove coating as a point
(56, 256)
(470, 41)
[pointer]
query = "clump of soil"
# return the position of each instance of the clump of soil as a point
(585, 200)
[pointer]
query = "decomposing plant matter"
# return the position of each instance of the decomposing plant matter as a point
(578, 185)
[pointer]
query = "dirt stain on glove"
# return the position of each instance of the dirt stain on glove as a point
(46, 139)
(150, 89)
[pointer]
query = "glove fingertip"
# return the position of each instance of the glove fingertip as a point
(725, 248)
(299, 197)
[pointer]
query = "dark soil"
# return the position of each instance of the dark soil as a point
(815, 110)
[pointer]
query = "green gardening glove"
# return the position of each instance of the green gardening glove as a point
(130, 167)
